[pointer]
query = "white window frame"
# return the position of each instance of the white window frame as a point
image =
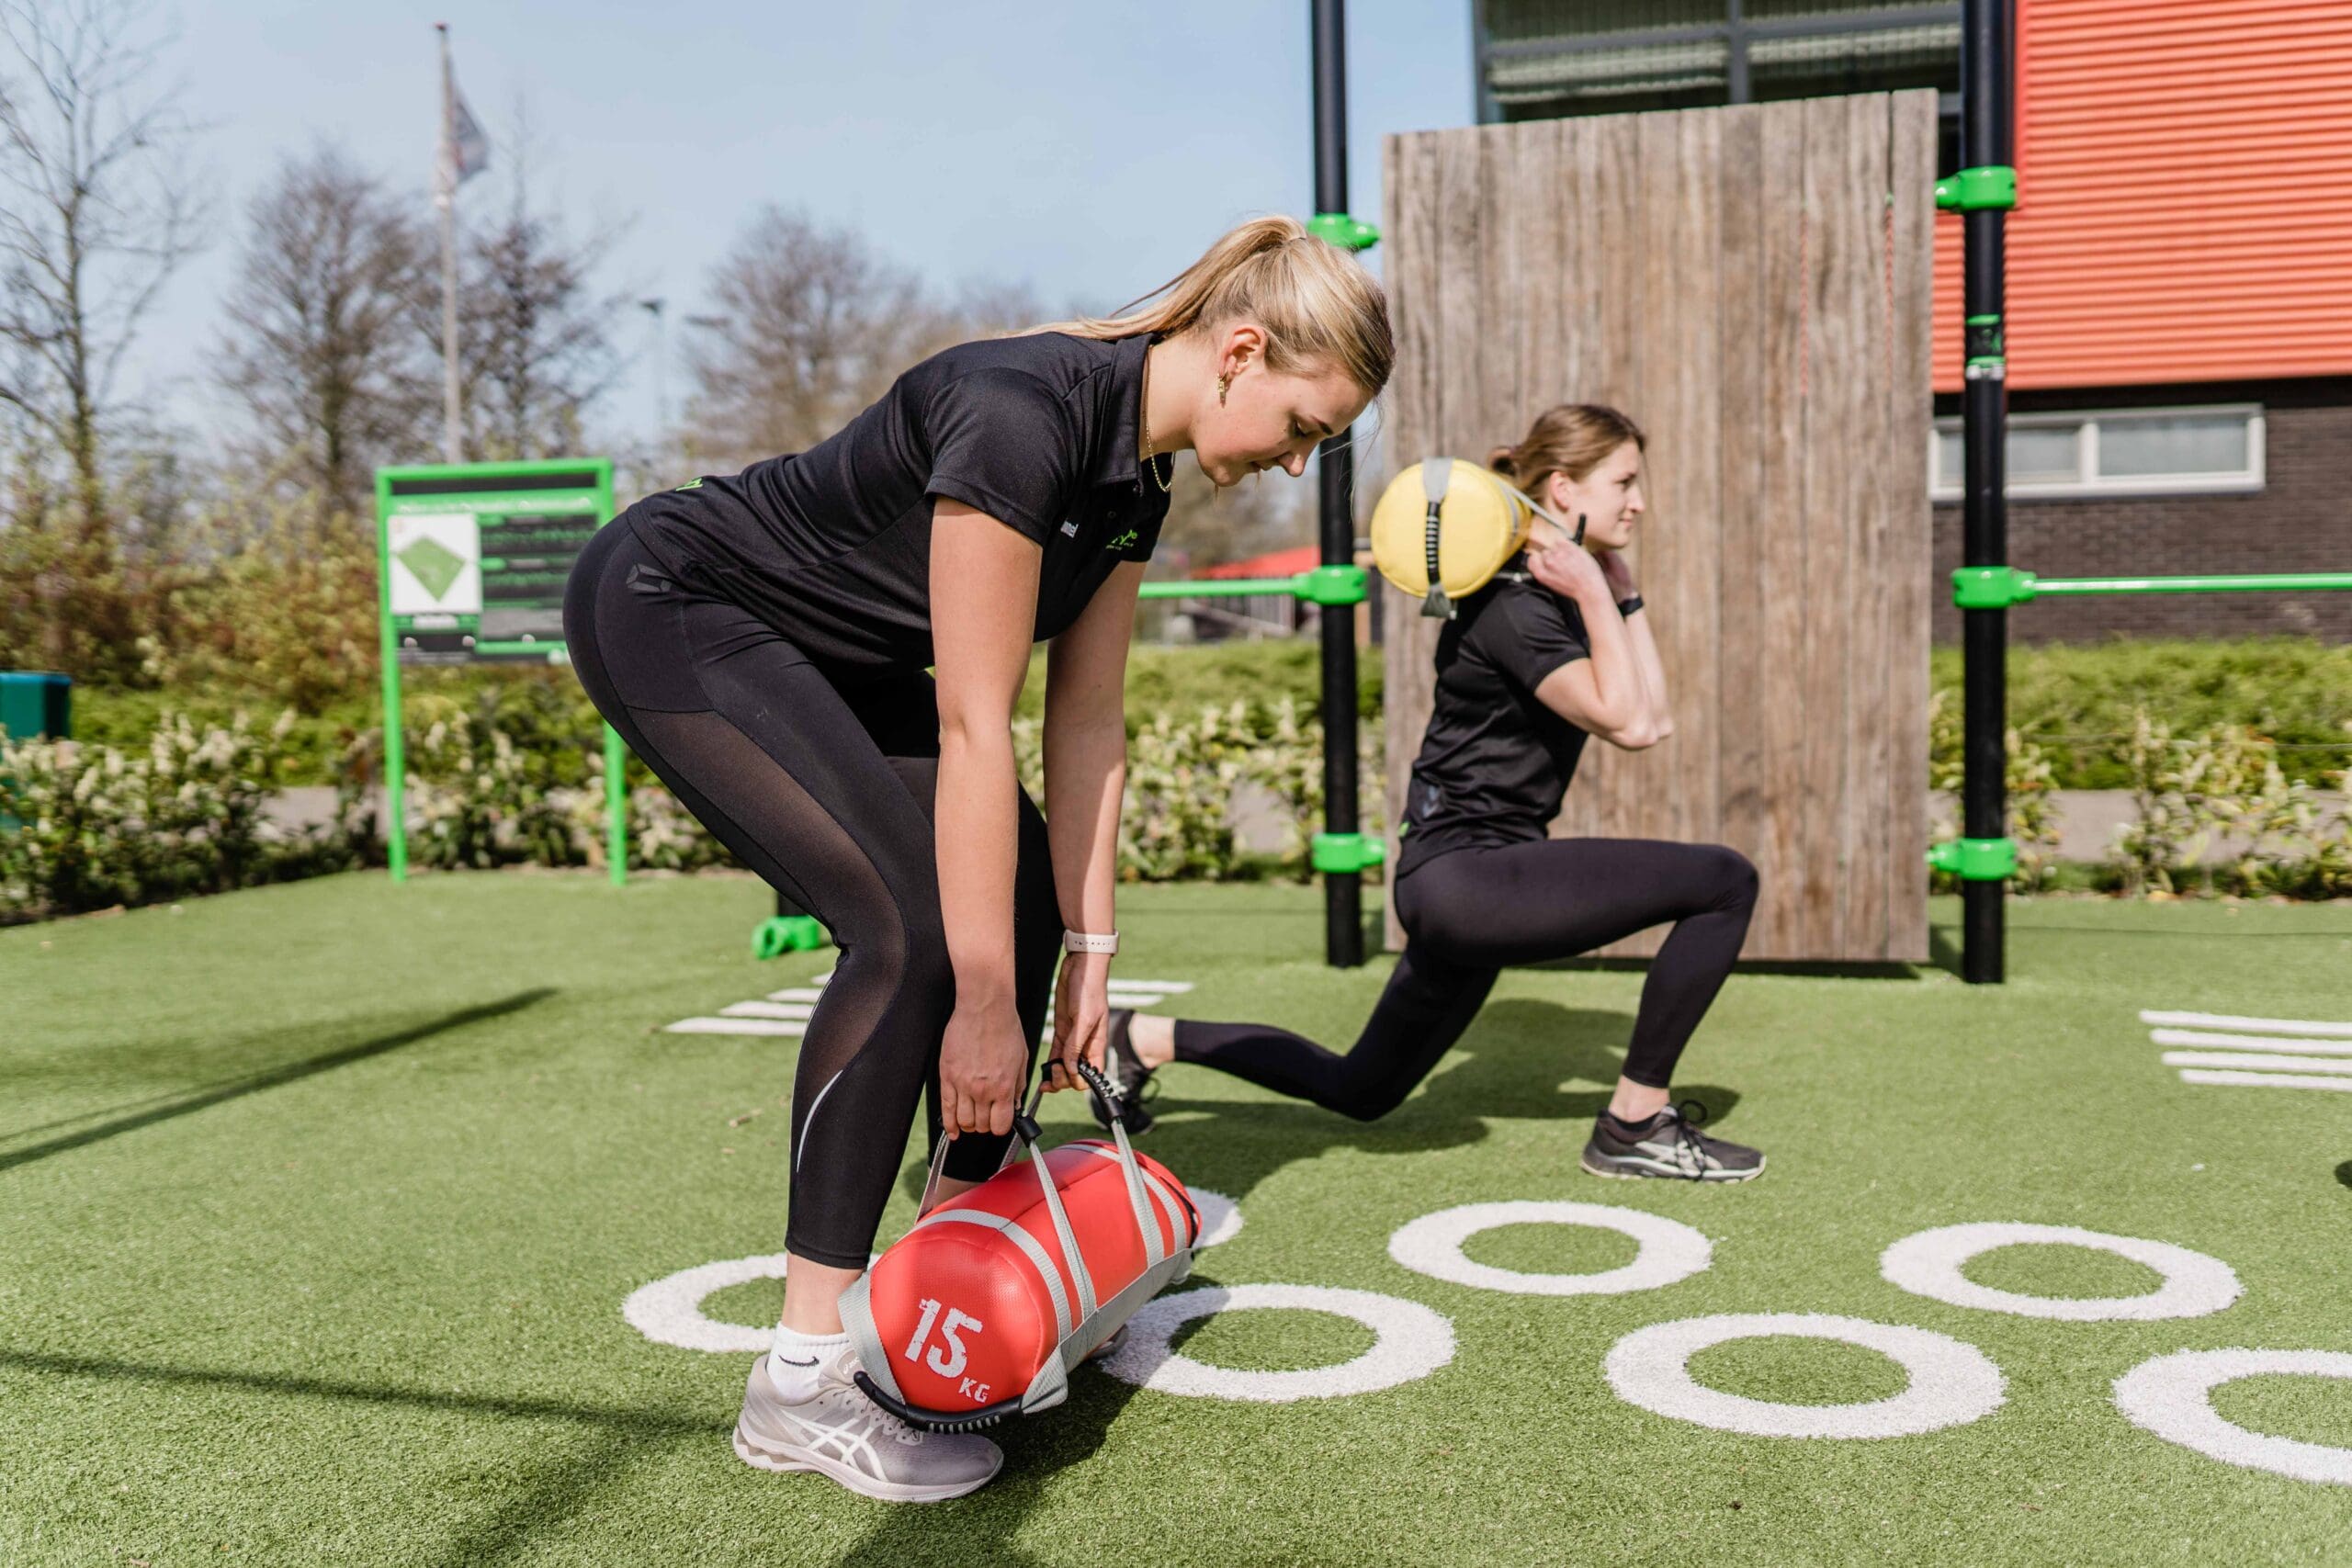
(2089, 483)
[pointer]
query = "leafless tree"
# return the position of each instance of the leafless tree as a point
(100, 208)
(812, 327)
(320, 349)
(97, 208)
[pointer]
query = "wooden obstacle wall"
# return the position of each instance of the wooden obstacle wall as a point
(1752, 286)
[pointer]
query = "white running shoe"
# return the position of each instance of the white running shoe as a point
(841, 1433)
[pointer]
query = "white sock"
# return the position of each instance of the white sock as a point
(794, 1358)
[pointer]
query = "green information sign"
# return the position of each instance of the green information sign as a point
(473, 558)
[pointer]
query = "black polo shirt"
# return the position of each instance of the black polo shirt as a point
(1495, 763)
(832, 546)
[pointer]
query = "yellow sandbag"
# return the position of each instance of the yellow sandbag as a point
(1475, 521)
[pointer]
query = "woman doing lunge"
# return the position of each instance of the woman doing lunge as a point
(1557, 648)
(760, 640)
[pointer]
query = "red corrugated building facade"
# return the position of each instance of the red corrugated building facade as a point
(2179, 265)
(2185, 195)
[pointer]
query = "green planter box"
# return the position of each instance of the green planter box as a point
(34, 704)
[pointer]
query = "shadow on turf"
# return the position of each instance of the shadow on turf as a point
(205, 1096)
(2344, 1174)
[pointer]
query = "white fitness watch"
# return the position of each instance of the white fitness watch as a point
(1082, 941)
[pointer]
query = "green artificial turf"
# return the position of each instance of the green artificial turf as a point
(319, 1204)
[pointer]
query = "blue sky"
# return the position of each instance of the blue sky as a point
(1089, 148)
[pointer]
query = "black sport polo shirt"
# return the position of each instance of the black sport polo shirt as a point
(832, 546)
(1494, 762)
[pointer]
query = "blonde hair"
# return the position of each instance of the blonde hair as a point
(1570, 438)
(1319, 307)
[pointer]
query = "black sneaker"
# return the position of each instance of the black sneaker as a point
(1668, 1145)
(1128, 1075)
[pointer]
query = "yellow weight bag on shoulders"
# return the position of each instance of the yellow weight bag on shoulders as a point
(1444, 527)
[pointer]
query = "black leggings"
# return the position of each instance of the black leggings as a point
(823, 785)
(1470, 912)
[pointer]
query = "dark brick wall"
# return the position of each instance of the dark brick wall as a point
(2300, 521)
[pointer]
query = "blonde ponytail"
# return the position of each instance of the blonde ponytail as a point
(1319, 307)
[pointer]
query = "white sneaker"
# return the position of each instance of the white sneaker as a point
(842, 1434)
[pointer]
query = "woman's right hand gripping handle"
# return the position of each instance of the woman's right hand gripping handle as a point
(983, 1062)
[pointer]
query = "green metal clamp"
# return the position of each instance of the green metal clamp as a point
(1338, 853)
(780, 934)
(1990, 587)
(1975, 860)
(1332, 585)
(1339, 229)
(1971, 190)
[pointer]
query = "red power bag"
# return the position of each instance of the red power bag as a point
(982, 1310)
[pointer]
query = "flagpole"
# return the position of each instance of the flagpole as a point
(452, 445)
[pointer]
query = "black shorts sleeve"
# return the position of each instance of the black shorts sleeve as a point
(1001, 442)
(1528, 633)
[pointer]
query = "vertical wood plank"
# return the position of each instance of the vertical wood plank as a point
(1744, 807)
(1781, 581)
(1865, 830)
(1692, 521)
(1412, 238)
(1911, 171)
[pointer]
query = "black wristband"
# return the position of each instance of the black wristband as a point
(1627, 606)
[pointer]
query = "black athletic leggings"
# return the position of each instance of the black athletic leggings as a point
(1467, 914)
(823, 785)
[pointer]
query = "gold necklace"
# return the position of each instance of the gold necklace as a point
(1150, 459)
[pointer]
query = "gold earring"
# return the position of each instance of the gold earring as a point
(1222, 382)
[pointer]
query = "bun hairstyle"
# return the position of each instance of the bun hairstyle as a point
(1570, 438)
(1320, 309)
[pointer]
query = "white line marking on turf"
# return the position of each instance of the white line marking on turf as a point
(2253, 1059)
(735, 1026)
(1432, 1244)
(1929, 1264)
(2250, 1025)
(766, 1009)
(1220, 1217)
(2266, 1080)
(668, 1311)
(2172, 1397)
(1952, 1383)
(2250, 1042)
(1410, 1341)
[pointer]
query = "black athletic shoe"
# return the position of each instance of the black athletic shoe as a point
(1668, 1145)
(1124, 1070)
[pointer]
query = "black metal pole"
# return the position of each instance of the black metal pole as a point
(1984, 141)
(1342, 890)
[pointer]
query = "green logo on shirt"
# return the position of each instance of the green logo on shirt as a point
(1122, 542)
(691, 484)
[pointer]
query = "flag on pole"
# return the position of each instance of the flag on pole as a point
(465, 151)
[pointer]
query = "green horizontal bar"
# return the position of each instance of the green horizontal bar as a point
(1340, 229)
(2280, 581)
(555, 653)
(1221, 588)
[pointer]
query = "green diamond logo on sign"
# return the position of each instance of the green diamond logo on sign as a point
(438, 564)
(433, 565)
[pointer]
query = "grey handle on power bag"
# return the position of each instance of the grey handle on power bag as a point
(1437, 478)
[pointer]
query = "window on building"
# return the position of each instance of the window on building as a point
(2215, 450)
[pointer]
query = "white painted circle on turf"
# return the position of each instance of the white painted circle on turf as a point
(1952, 1384)
(1220, 1216)
(1410, 1341)
(668, 1311)
(1928, 1265)
(2172, 1397)
(1432, 1244)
